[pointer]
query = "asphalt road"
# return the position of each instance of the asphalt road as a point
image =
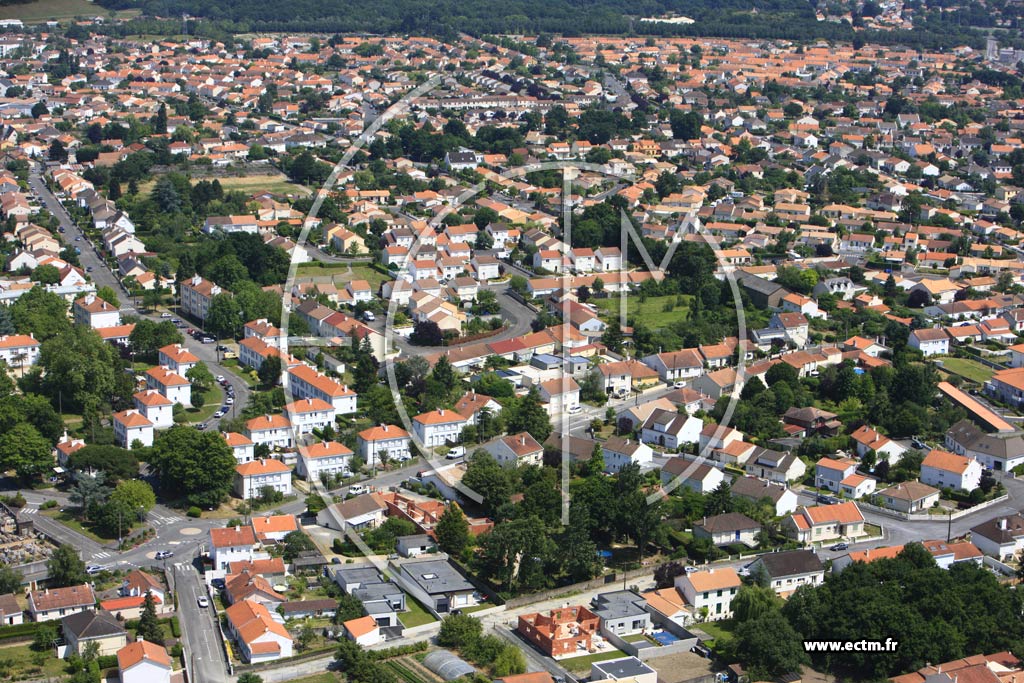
(204, 652)
(100, 274)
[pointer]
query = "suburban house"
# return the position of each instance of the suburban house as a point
(696, 476)
(87, 626)
(867, 439)
(94, 312)
(131, 427)
(367, 511)
(711, 591)
(438, 427)
(143, 662)
(50, 604)
(670, 429)
(437, 585)
(622, 613)
(307, 383)
(619, 452)
(825, 522)
(274, 431)
(910, 497)
(363, 631)
(516, 450)
(948, 554)
(1000, 451)
(324, 458)
(775, 466)
(384, 441)
(309, 414)
(931, 341)
(675, 366)
(251, 478)
(947, 470)
(786, 571)
(828, 472)
(728, 529)
(563, 632)
(560, 395)
(1000, 537)
(753, 489)
(257, 635)
(414, 545)
(233, 544)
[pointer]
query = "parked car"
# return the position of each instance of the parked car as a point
(357, 489)
(218, 584)
(221, 379)
(573, 410)
(230, 400)
(842, 545)
(165, 315)
(368, 316)
(208, 340)
(456, 452)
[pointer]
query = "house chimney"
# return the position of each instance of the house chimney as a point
(441, 412)
(1003, 524)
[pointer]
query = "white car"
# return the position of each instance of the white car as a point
(203, 601)
(573, 410)
(229, 400)
(220, 378)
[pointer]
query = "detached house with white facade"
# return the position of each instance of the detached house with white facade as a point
(252, 477)
(305, 382)
(942, 469)
(438, 427)
(323, 458)
(308, 414)
(387, 439)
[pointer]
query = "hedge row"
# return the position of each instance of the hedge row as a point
(398, 651)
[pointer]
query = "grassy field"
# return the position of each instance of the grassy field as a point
(325, 677)
(969, 369)
(68, 520)
(55, 10)
(583, 663)
(720, 631)
(214, 399)
(21, 662)
(343, 273)
(652, 311)
(269, 182)
(417, 614)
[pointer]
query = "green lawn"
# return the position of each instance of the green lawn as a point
(583, 663)
(970, 369)
(340, 274)
(417, 614)
(243, 374)
(652, 311)
(720, 631)
(265, 182)
(214, 399)
(55, 10)
(72, 523)
(21, 662)
(325, 677)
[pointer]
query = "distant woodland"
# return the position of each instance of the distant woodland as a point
(771, 19)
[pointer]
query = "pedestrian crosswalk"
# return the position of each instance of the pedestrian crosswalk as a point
(28, 510)
(102, 554)
(163, 519)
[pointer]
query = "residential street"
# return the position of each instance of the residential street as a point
(199, 629)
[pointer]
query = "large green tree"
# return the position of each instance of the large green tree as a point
(452, 530)
(26, 451)
(197, 466)
(65, 567)
(79, 369)
(41, 313)
(528, 415)
(224, 317)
